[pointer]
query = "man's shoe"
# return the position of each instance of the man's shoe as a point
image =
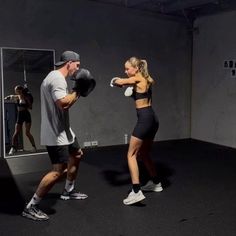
(73, 195)
(34, 213)
(134, 197)
(152, 187)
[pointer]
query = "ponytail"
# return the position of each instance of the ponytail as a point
(143, 68)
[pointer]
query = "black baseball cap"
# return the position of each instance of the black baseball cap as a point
(68, 56)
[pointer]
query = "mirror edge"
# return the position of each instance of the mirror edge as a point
(2, 110)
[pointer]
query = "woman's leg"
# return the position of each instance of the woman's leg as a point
(155, 183)
(18, 128)
(135, 195)
(146, 158)
(29, 135)
(134, 148)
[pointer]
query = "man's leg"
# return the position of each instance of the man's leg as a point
(72, 171)
(31, 210)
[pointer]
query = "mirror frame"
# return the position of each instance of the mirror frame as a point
(3, 133)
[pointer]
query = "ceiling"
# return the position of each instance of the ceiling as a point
(190, 9)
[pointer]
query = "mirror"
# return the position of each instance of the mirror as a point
(26, 68)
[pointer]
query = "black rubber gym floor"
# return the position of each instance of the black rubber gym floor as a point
(199, 197)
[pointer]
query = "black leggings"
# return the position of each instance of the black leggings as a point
(23, 116)
(147, 124)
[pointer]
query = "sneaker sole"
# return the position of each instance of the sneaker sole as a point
(158, 189)
(72, 198)
(33, 217)
(139, 199)
(64, 198)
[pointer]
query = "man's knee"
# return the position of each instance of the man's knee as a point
(56, 174)
(78, 154)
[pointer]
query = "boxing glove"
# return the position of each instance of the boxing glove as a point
(129, 91)
(84, 82)
(113, 82)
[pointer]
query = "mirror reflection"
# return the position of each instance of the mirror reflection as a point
(23, 71)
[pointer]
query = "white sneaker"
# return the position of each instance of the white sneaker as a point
(34, 213)
(12, 151)
(134, 197)
(151, 187)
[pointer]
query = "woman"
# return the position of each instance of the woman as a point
(146, 127)
(24, 103)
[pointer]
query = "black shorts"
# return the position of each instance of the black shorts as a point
(23, 116)
(147, 124)
(61, 154)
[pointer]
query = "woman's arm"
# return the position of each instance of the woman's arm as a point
(12, 97)
(126, 81)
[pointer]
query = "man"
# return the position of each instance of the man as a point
(57, 135)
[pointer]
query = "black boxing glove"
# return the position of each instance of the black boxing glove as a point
(84, 82)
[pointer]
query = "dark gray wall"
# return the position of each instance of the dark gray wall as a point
(214, 87)
(106, 36)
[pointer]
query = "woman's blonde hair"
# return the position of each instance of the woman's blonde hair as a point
(142, 68)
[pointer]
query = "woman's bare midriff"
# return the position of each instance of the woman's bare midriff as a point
(141, 103)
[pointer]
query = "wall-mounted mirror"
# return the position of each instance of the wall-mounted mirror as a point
(26, 69)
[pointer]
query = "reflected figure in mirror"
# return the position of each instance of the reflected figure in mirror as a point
(24, 101)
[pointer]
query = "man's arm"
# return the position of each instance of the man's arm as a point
(67, 101)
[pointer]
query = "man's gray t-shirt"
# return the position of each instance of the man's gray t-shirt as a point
(55, 126)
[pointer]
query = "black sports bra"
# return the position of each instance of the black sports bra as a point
(137, 96)
(22, 103)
